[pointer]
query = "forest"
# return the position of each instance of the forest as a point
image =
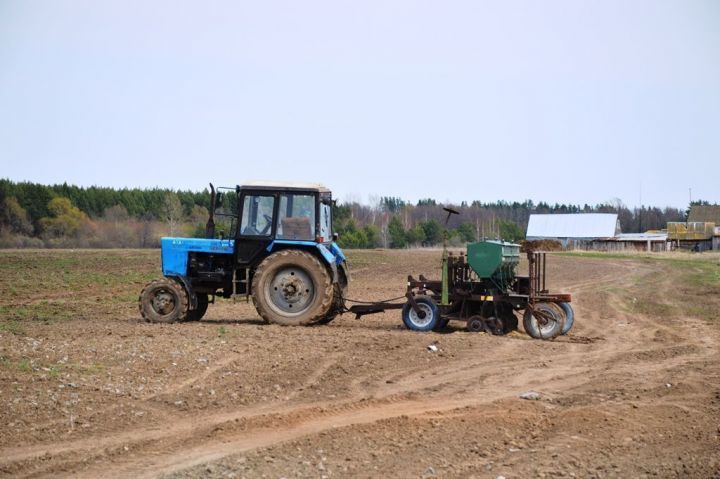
(67, 216)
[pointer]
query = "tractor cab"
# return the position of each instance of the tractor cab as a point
(272, 215)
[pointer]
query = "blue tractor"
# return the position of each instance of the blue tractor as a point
(280, 251)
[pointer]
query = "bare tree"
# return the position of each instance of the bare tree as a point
(172, 212)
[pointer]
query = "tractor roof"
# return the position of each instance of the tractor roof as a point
(284, 185)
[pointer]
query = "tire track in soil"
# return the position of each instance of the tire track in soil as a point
(445, 388)
(294, 422)
(156, 432)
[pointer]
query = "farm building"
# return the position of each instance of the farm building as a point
(650, 241)
(700, 232)
(708, 214)
(573, 230)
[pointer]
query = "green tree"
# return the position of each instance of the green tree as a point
(14, 217)
(415, 236)
(466, 232)
(372, 236)
(510, 231)
(65, 219)
(391, 204)
(397, 233)
(433, 232)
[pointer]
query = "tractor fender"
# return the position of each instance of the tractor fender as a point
(332, 255)
(192, 297)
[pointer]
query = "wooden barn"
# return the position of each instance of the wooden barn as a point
(573, 231)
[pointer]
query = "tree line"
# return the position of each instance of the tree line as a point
(35, 215)
(392, 222)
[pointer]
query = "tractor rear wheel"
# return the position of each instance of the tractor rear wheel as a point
(164, 301)
(339, 292)
(337, 306)
(199, 312)
(292, 288)
(546, 321)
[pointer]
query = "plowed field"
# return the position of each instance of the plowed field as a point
(88, 390)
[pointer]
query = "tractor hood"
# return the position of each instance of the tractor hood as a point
(174, 252)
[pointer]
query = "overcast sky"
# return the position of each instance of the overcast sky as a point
(561, 101)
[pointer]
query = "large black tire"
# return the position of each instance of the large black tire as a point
(442, 324)
(550, 330)
(475, 324)
(428, 318)
(199, 312)
(164, 301)
(507, 316)
(337, 306)
(569, 316)
(339, 292)
(292, 288)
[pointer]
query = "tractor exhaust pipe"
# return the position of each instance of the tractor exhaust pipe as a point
(210, 226)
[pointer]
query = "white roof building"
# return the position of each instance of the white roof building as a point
(573, 226)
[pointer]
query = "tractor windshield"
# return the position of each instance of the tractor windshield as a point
(257, 214)
(296, 217)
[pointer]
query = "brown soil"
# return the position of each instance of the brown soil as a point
(631, 392)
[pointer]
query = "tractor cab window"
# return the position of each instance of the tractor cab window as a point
(326, 221)
(257, 215)
(296, 217)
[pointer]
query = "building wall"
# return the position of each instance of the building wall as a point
(704, 245)
(656, 246)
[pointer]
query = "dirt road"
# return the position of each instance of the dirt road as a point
(633, 391)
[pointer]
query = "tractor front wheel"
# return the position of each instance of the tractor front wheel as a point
(292, 288)
(164, 301)
(202, 306)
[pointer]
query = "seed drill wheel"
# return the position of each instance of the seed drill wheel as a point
(544, 321)
(507, 316)
(199, 312)
(569, 316)
(493, 325)
(475, 324)
(442, 324)
(292, 288)
(426, 319)
(164, 301)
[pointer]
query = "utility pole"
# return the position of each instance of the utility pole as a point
(641, 210)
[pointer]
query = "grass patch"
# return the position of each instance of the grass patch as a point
(681, 284)
(11, 326)
(59, 285)
(24, 366)
(600, 255)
